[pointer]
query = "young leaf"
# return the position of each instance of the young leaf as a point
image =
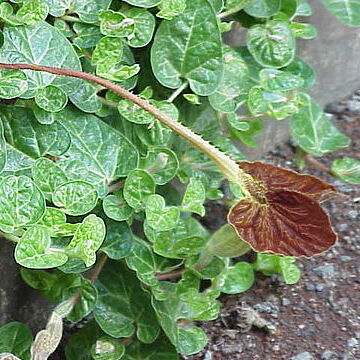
(3, 152)
(179, 50)
(314, 132)
(34, 250)
(16, 338)
(263, 8)
(289, 271)
(271, 44)
(162, 163)
(32, 12)
(238, 278)
(75, 197)
(86, 36)
(144, 26)
(87, 239)
(138, 186)
(120, 298)
(276, 80)
(107, 348)
(116, 208)
(194, 197)
(45, 117)
(115, 24)
(346, 11)
(47, 176)
(13, 83)
(159, 216)
(347, 169)
(171, 8)
(143, 3)
(21, 204)
(108, 50)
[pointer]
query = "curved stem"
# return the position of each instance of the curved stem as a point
(227, 166)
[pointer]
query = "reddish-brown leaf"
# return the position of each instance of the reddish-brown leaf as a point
(276, 178)
(289, 223)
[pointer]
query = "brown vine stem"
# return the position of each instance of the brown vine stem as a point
(170, 275)
(227, 166)
(311, 160)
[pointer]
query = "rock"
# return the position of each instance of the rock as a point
(319, 287)
(285, 302)
(328, 355)
(326, 271)
(353, 214)
(353, 106)
(336, 108)
(303, 356)
(345, 258)
(310, 287)
(266, 307)
(352, 342)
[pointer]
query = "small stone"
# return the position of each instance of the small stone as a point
(310, 287)
(353, 106)
(353, 214)
(319, 287)
(343, 227)
(345, 258)
(352, 342)
(208, 355)
(326, 271)
(285, 302)
(328, 355)
(303, 356)
(276, 347)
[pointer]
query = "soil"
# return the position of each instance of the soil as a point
(319, 317)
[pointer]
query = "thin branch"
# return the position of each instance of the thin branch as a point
(228, 166)
(10, 237)
(231, 11)
(69, 18)
(311, 160)
(95, 272)
(116, 186)
(170, 275)
(177, 92)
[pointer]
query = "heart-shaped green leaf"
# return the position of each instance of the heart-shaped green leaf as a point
(238, 278)
(13, 83)
(347, 169)
(116, 208)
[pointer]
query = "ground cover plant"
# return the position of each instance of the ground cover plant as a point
(118, 123)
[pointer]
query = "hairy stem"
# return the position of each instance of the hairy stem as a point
(231, 11)
(227, 166)
(10, 237)
(178, 91)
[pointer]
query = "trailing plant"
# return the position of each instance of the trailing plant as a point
(117, 126)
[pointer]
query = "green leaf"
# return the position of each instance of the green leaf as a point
(271, 44)
(159, 216)
(347, 169)
(86, 35)
(314, 132)
(120, 298)
(236, 123)
(263, 8)
(108, 50)
(54, 50)
(33, 12)
(300, 68)
(143, 3)
(34, 250)
(276, 80)
(162, 163)
(7, 15)
(21, 203)
(45, 117)
(179, 50)
(118, 241)
(107, 348)
(171, 8)
(116, 208)
(144, 27)
(13, 83)
(87, 239)
(16, 338)
(188, 238)
(194, 197)
(304, 31)
(138, 186)
(88, 10)
(290, 271)
(117, 72)
(238, 278)
(3, 152)
(98, 154)
(347, 11)
(228, 97)
(187, 340)
(218, 5)
(47, 176)
(75, 197)
(115, 24)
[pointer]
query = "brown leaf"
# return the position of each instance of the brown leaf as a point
(276, 178)
(288, 223)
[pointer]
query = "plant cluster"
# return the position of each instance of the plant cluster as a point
(99, 186)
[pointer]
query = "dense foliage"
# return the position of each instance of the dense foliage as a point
(99, 191)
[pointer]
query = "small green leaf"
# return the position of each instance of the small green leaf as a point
(300, 68)
(117, 72)
(116, 208)
(347, 169)
(34, 250)
(192, 99)
(314, 132)
(87, 239)
(47, 176)
(52, 217)
(143, 3)
(144, 26)
(118, 241)
(179, 50)
(115, 24)
(51, 98)
(21, 203)
(238, 278)
(162, 163)
(171, 8)
(236, 123)
(138, 186)
(347, 11)
(134, 113)
(276, 80)
(3, 152)
(13, 83)
(271, 44)
(304, 31)
(194, 197)
(75, 197)
(108, 50)
(263, 8)
(290, 271)
(32, 12)
(120, 298)
(16, 338)
(86, 36)
(160, 217)
(45, 117)
(107, 348)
